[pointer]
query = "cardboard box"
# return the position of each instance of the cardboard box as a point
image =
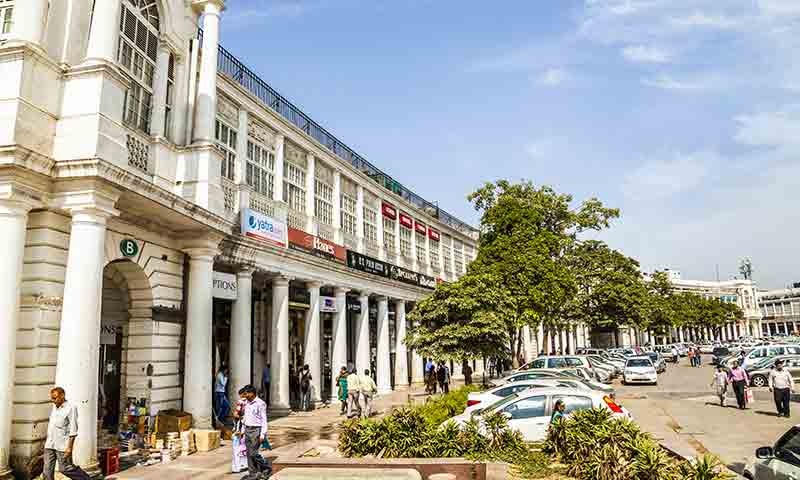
(206, 440)
(173, 421)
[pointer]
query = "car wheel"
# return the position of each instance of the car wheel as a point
(758, 380)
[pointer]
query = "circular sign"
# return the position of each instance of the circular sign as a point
(128, 247)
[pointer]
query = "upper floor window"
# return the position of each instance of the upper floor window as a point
(294, 183)
(349, 221)
(226, 143)
(323, 204)
(405, 242)
(422, 251)
(6, 13)
(260, 168)
(434, 254)
(388, 235)
(370, 225)
(170, 100)
(136, 53)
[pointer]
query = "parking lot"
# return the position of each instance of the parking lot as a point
(683, 412)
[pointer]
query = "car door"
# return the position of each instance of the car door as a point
(793, 365)
(785, 465)
(529, 416)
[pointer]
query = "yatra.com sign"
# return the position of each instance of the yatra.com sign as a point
(261, 227)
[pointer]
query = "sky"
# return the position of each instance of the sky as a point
(684, 114)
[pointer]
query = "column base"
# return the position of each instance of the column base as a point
(401, 388)
(384, 390)
(6, 473)
(278, 412)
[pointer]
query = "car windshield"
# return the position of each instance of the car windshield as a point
(763, 363)
(639, 362)
(493, 407)
(653, 356)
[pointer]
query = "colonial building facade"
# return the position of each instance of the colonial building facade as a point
(165, 212)
(781, 311)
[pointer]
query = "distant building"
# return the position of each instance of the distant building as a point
(780, 310)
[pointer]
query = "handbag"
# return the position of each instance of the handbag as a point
(239, 457)
(265, 445)
(748, 396)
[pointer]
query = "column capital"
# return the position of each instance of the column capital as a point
(313, 284)
(214, 7)
(245, 272)
(340, 291)
(95, 201)
(382, 298)
(281, 281)
(17, 200)
(364, 294)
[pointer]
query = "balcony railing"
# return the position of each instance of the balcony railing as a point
(229, 65)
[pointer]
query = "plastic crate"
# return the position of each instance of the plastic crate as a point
(109, 460)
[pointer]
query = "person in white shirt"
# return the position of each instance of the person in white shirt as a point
(781, 384)
(61, 432)
(221, 404)
(353, 394)
(368, 391)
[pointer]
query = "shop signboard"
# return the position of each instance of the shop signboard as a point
(433, 234)
(411, 277)
(367, 264)
(353, 305)
(223, 285)
(261, 227)
(305, 242)
(327, 304)
(406, 221)
(109, 330)
(389, 211)
(420, 228)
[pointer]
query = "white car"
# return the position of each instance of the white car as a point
(780, 462)
(529, 411)
(639, 370)
(477, 400)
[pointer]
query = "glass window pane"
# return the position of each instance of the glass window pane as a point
(530, 407)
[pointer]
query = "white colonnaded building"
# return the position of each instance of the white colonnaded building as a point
(781, 310)
(164, 212)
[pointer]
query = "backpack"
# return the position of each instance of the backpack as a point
(441, 374)
(305, 382)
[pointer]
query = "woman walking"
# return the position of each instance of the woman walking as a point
(738, 378)
(341, 382)
(720, 384)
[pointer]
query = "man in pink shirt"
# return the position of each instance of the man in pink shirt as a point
(254, 420)
(738, 378)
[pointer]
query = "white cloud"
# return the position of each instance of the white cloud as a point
(659, 179)
(646, 54)
(780, 8)
(688, 85)
(553, 77)
(707, 21)
(772, 129)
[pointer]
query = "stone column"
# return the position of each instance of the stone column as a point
(382, 363)
(362, 334)
(311, 351)
(539, 339)
(360, 217)
(400, 351)
(241, 336)
(104, 30)
(526, 343)
(206, 104)
(337, 207)
(198, 367)
(29, 18)
(381, 248)
(279, 358)
(78, 339)
(13, 221)
(339, 339)
(311, 185)
(157, 125)
(414, 264)
(277, 190)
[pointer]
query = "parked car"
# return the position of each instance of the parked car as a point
(521, 376)
(604, 375)
(759, 372)
(640, 370)
(615, 362)
(529, 411)
(779, 462)
(477, 400)
(590, 351)
(758, 353)
(707, 348)
(658, 361)
(719, 353)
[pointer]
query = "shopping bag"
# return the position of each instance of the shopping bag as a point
(239, 458)
(265, 445)
(748, 396)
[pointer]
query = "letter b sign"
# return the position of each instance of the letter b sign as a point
(128, 247)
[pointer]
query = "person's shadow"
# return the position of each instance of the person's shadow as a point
(768, 414)
(727, 405)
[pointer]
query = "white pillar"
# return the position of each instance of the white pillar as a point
(339, 339)
(206, 104)
(382, 363)
(381, 248)
(311, 350)
(362, 334)
(279, 360)
(13, 220)
(29, 21)
(680, 334)
(277, 191)
(104, 30)
(198, 367)
(360, 217)
(527, 347)
(79, 339)
(400, 351)
(241, 334)
(157, 125)
(311, 185)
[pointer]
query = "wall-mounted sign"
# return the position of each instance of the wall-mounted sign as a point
(388, 210)
(367, 264)
(420, 228)
(108, 331)
(261, 227)
(128, 247)
(224, 285)
(353, 305)
(305, 242)
(327, 304)
(433, 235)
(406, 221)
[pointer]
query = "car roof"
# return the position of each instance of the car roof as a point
(538, 381)
(561, 391)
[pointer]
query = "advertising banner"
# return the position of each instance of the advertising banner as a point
(327, 304)
(223, 285)
(305, 242)
(433, 234)
(388, 210)
(406, 221)
(420, 228)
(367, 264)
(261, 227)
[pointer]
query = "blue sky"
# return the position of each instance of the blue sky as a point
(685, 114)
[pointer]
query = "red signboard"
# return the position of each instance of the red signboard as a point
(420, 228)
(433, 234)
(388, 210)
(406, 221)
(305, 242)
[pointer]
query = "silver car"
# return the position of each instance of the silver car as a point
(779, 462)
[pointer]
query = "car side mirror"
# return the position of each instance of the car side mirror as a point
(764, 453)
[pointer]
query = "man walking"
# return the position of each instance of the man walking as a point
(265, 383)
(781, 385)
(353, 394)
(443, 375)
(305, 389)
(254, 421)
(61, 432)
(368, 391)
(222, 407)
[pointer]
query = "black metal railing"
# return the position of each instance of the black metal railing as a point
(229, 65)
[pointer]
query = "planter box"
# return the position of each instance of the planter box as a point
(460, 467)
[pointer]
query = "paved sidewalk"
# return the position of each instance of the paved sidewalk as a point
(297, 428)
